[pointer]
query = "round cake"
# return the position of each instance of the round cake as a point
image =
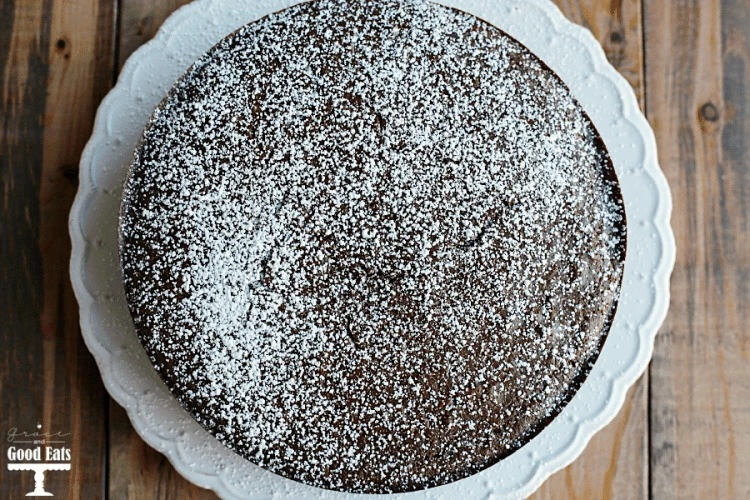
(372, 246)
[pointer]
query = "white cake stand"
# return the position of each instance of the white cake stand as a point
(157, 416)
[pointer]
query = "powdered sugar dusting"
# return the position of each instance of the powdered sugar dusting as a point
(371, 246)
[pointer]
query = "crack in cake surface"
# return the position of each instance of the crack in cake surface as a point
(372, 246)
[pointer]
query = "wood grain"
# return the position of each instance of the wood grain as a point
(56, 58)
(142, 472)
(615, 462)
(698, 81)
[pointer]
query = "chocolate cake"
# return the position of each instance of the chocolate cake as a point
(372, 246)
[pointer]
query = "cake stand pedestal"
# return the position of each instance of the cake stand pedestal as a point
(39, 470)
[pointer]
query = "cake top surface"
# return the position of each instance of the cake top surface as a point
(372, 245)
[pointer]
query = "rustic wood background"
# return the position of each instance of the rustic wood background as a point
(684, 431)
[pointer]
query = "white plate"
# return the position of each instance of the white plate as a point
(157, 416)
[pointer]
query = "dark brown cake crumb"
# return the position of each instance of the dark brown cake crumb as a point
(372, 246)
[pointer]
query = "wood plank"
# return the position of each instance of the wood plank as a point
(56, 62)
(615, 462)
(80, 62)
(137, 470)
(23, 70)
(698, 80)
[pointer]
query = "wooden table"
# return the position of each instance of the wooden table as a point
(684, 431)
